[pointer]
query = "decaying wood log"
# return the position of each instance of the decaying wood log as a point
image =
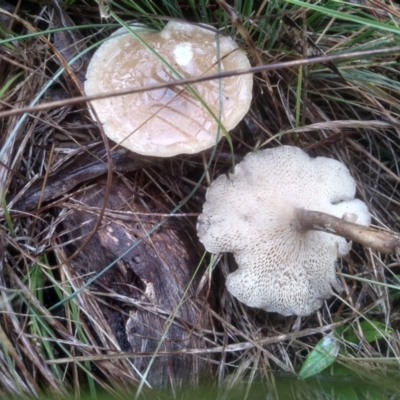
(165, 305)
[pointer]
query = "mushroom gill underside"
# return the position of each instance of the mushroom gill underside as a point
(290, 278)
(253, 214)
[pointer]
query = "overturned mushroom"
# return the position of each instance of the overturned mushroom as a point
(168, 121)
(257, 213)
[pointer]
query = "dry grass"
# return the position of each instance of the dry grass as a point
(69, 347)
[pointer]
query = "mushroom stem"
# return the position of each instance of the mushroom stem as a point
(382, 241)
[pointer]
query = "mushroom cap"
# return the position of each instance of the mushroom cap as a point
(251, 213)
(169, 121)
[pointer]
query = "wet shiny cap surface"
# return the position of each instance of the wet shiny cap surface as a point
(170, 121)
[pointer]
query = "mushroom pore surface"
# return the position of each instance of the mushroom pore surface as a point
(251, 213)
(169, 121)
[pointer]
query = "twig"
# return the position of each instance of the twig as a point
(383, 241)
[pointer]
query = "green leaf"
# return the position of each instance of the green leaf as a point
(346, 393)
(371, 330)
(322, 356)
(374, 395)
(342, 370)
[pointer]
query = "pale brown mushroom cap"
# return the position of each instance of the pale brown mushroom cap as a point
(169, 121)
(252, 215)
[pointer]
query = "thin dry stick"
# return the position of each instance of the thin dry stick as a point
(220, 75)
(382, 241)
